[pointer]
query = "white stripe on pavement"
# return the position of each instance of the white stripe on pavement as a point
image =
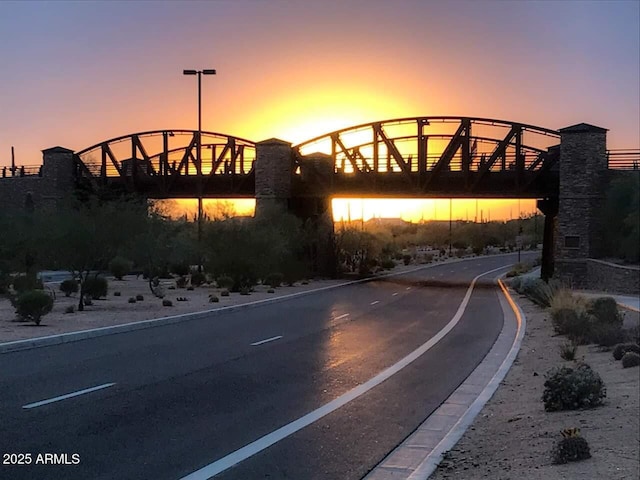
(266, 340)
(342, 316)
(266, 441)
(377, 301)
(394, 294)
(68, 395)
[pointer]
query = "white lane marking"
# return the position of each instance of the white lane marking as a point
(394, 294)
(377, 301)
(408, 288)
(342, 316)
(68, 395)
(266, 441)
(266, 340)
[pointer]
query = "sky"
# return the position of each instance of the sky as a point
(77, 73)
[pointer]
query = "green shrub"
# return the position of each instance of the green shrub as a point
(245, 291)
(198, 278)
(26, 283)
(224, 293)
(568, 351)
(180, 269)
(606, 334)
(70, 309)
(213, 299)
(33, 305)
(567, 388)
(139, 298)
(605, 310)
(630, 359)
(387, 263)
(274, 279)
(68, 287)
(539, 292)
(119, 267)
(167, 303)
(271, 290)
(181, 282)
(132, 300)
(623, 348)
(406, 258)
(224, 281)
(95, 287)
(574, 323)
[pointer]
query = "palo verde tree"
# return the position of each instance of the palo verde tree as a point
(83, 236)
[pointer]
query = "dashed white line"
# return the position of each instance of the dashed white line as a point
(266, 340)
(68, 395)
(377, 301)
(408, 288)
(341, 316)
(394, 294)
(275, 436)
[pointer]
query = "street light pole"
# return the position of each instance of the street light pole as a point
(199, 73)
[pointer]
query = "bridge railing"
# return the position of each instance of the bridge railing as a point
(21, 171)
(623, 159)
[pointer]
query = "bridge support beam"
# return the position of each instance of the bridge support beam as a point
(583, 175)
(549, 207)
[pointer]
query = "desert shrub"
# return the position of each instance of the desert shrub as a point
(5, 281)
(605, 310)
(304, 282)
(406, 258)
(224, 293)
(139, 297)
(574, 323)
(213, 299)
(515, 283)
(245, 291)
(190, 288)
(519, 269)
(197, 278)
(274, 279)
(33, 305)
(538, 291)
(428, 258)
(568, 388)
(606, 334)
(68, 287)
(630, 359)
(397, 256)
(171, 287)
(568, 351)
(271, 290)
(88, 300)
(387, 263)
(95, 287)
(167, 303)
(26, 283)
(622, 348)
(180, 269)
(224, 281)
(182, 299)
(132, 300)
(70, 309)
(119, 267)
(117, 294)
(181, 282)
(571, 448)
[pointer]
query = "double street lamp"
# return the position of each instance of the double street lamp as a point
(199, 73)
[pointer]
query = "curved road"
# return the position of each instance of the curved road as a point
(172, 399)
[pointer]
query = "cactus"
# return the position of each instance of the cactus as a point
(571, 448)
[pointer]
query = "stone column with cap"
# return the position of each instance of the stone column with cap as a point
(583, 177)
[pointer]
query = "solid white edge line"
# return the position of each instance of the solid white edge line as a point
(266, 441)
(373, 303)
(68, 395)
(341, 316)
(424, 470)
(266, 340)
(394, 294)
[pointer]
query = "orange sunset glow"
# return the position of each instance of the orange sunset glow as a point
(299, 70)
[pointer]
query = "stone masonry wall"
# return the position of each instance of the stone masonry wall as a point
(613, 278)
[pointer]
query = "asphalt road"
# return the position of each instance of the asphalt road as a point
(188, 394)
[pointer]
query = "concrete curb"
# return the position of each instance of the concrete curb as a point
(441, 431)
(47, 341)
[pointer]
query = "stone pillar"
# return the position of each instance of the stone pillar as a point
(58, 176)
(583, 174)
(273, 174)
(549, 207)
